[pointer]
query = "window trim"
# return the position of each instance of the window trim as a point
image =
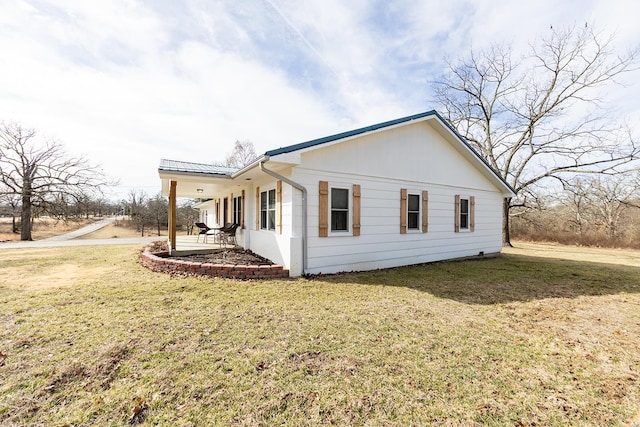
(422, 212)
(470, 213)
(466, 214)
(349, 211)
(236, 210)
(418, 228)
(267, 210)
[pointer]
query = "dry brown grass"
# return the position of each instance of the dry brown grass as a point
(42, 228)
(122, 229)
(630, 257)
(524, 339)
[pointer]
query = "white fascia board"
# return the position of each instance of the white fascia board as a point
(293, 158)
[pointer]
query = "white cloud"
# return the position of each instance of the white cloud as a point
(129, 82)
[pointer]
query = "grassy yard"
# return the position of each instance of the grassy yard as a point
(90, 337)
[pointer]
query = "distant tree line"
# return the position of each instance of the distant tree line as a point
(152, 213)
(148, 214)
(40, 177)
(60, 208)
(591, 210)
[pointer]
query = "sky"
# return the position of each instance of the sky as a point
(126, 83)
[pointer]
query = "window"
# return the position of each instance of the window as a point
(465, 213)
(237, 210)
(335, 209)
(413, 212)
(268, 210)
(339, 209)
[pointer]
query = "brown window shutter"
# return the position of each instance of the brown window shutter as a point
(472, 213)
(323, 215)
(457, 213)
(279, 207)
(356, 209)
(242, 209)
(230, 211)
(257, 208)
(403, 211)
(425, 211)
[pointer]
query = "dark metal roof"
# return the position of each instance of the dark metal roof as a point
(198, 168)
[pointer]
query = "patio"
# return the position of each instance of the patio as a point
(187, 245)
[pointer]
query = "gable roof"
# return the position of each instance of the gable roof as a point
(432, 113)
(227, 172)
(348, 134)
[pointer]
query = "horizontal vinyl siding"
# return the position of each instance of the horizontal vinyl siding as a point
(380, 244)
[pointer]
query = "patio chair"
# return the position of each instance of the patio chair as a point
(216, 232)
(228, 235)
(202, 231)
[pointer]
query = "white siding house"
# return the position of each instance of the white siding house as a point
(402, 192)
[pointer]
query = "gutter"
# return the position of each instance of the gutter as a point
(265, 159)
(250, 166)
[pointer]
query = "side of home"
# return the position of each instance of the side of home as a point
(407, 191)
(399, 193)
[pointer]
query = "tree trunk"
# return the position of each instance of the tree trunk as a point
(25, 226)
(506, 238)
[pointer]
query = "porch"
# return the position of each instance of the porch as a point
(188, 245)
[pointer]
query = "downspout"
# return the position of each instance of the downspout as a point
(304, 208)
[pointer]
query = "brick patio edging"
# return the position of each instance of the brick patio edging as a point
(161, 262)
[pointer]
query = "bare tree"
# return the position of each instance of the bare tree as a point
(541, 116)
(243, 153)
(187, 216)
(137, 209)
(611, 196)
(13, 203)
(576, 200)
(158, 208)
(38, 173)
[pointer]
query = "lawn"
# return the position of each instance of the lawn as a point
(90, 337)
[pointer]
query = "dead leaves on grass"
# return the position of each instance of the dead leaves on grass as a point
(137, 414)
(3, 357)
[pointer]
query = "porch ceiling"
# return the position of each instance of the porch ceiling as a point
(200, 187)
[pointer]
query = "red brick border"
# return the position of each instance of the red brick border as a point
(162, 262)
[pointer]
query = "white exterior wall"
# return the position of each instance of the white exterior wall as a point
(284, 248)
(413, 157)
(206, 212)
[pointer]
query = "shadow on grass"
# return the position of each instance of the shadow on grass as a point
(504, 279)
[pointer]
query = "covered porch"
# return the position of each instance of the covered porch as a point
(192, 180)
